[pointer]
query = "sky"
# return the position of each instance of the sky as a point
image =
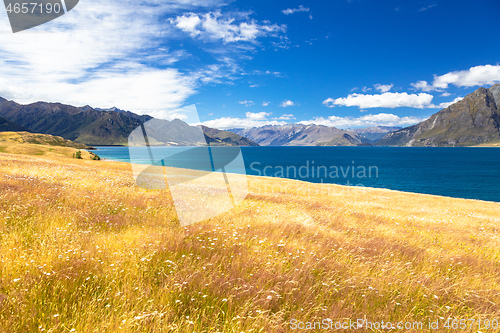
(242, 64)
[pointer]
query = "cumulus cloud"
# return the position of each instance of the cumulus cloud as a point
(213, 26)
(265, 103)
(287, 103)
(247, 103)
(381, 119)
(257, 116)
(383, 87)
(385, 100)
(474, 76)
(423, 85)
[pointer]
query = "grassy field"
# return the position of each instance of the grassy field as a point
(40, 144)
(82, 249)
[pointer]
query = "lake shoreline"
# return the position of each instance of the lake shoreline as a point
(452, 172)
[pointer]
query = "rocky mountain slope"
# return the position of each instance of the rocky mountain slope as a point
(473, 120)
(300, 135)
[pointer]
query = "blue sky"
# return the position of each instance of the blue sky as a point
(338, 63)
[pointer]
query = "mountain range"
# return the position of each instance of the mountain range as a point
(471, 121)
(300, 135)
(93, 127)
(474, 120)
(313, 135)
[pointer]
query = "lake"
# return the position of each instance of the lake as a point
(471, 173)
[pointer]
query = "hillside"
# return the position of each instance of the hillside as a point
(300, 135)
(7, 126)
(41, 144)
(84, 249)
(473, 120)
(88, 125)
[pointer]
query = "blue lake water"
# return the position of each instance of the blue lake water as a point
(472, 173)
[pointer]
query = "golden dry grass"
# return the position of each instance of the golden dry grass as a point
(83, 249)
(40, 144)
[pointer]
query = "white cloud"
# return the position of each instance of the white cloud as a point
(286, 117)
(385, 100)
(188, 23)
(231, 122)
(265, 103)
(381, 119)
(287, 103)
(423, 9)
(246, 103)
(383, 87)
(289, 11)
(258, 120)
(474, 76)
(213, 26)
(257, 116)
(96, 55)
(422, 85)
(444, 105)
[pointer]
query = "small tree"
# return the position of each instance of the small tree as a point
(78, 155)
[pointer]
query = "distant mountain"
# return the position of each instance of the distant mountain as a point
(218, 137)
(300, 135)
(473, 120)
(374, 133)
(87, 125)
